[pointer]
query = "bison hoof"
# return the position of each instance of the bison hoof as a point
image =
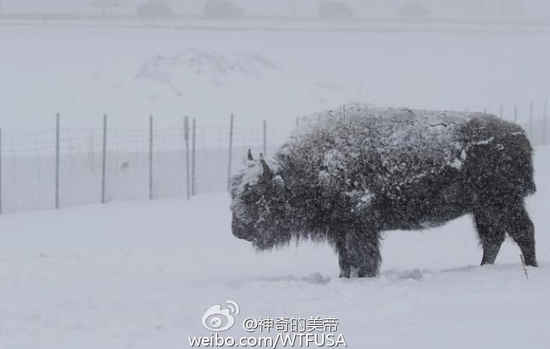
(345, 274)
(531, 263)
(366, 275)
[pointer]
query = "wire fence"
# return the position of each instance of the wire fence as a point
(62, 167)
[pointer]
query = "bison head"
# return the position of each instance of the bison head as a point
(258, 204)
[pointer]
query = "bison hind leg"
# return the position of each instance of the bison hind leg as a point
(521, 229)
(491, 232)
(494, 221)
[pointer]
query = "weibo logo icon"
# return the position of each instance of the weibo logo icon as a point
(217, 319)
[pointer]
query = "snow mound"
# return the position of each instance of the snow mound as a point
(215, 68)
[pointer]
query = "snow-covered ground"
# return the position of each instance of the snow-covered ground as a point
(142, 274)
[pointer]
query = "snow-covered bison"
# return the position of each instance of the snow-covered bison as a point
(354, 172)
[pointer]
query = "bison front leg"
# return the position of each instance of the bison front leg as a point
(343, 257)
(364, 253)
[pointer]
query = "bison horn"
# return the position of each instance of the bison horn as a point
(250, 158)
(267, 171)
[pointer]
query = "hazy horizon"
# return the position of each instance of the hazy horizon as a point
(440, 9)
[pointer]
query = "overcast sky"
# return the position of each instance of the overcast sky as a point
(539, 9)
(54, 5)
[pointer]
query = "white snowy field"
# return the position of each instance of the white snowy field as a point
(142, 274)
(267, 71)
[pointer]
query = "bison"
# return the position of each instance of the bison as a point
(354, 172)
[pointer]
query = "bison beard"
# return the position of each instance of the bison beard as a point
(355, 172)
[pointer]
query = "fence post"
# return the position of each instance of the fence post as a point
(230, 151)
(265, 138)
(57, 159)
(501, 111)
(92, 148)
(515, 113)
(193, 192)
(151, 157)
(531, 122)
(186, 138)
(544, 121)
(104, 162)
(1, 169)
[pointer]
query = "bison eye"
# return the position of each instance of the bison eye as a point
(248, 189)
(248, 193)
